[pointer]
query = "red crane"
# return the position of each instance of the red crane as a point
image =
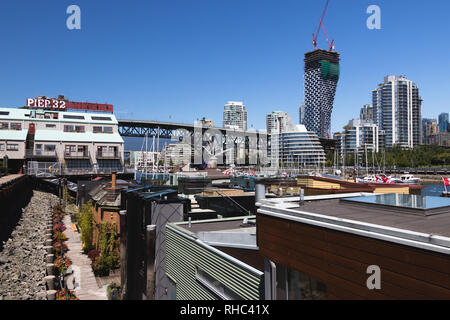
(321, 26)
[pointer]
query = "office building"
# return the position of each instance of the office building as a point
(397, 111)
(443, 122)
(320, 80)
(278, 121)
(235, 116)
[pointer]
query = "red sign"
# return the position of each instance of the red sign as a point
(46, 104)
(56, 104)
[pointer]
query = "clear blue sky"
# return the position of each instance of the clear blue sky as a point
(179, 60)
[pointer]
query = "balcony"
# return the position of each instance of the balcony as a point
(30, 153)
(76, 155)
(108, 155)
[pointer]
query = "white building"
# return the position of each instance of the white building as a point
(397, 111)
(235, 116)
(177, 154)
(143, 158)
(296, 147)
(278, 121)
(359, 136)
(80, 142)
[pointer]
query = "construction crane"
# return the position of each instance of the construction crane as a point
(321, 26)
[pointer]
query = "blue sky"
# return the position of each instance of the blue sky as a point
(180, 60)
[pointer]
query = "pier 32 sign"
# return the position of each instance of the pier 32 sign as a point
(41, 103)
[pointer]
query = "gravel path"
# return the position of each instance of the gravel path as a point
(22, 261)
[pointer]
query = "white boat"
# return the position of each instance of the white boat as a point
(409, 178)
(395, 180)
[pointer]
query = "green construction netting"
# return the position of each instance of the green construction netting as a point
(329, 71)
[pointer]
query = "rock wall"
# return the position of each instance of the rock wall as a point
(22, 260)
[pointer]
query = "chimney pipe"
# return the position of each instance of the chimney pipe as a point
(113, 182)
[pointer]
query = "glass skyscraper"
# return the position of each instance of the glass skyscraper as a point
(443, 122)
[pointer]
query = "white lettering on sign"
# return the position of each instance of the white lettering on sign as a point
(46, 103)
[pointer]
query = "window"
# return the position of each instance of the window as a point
(2, 147)
(296, 285)
(107, 129)
(50, 147)
(4, 125)
(50, 125)
(101, 118)
(71, 128)
(16, 126)
(4, 113)
(82, 149)
(216, 287)
(12, 147)
(97, 129)
(69, 116)
(70, 148)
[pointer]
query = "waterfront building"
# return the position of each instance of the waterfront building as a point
(366, 113)
(440, 138)
(237, 271)
(176, 154)
(278, 121)
(143, 158)
(325, 247)
(320, 80)
(397, 110)
(77, 142)
(443, 122)
(296, 147)
(235, 116)
(358, 136)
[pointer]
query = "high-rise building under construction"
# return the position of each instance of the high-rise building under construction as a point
(321, 78)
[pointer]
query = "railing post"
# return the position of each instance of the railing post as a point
(150, 240)
(123, 253)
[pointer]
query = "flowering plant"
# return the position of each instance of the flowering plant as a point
(59, 236)
(62, 263)
(57, 248)
(59, 227)
(66, 295)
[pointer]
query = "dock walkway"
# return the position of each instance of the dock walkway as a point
(85, 286)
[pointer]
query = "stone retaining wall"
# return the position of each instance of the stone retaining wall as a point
(23, 259)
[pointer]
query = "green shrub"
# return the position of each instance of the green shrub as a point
(86, 223)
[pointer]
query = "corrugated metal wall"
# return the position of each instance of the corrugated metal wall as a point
(184, 255)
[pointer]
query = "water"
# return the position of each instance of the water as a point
(433, 190)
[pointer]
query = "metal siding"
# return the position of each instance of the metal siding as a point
(184, 255)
